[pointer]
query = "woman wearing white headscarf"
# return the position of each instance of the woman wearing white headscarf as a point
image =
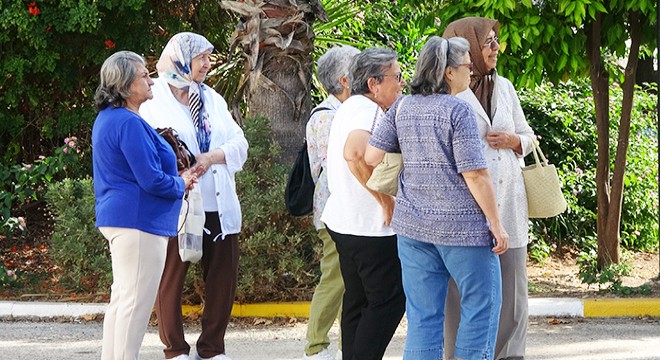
(200, 117)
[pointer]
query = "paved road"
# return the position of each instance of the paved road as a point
(562, 339)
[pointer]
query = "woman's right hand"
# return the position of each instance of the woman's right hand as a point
(189, 178)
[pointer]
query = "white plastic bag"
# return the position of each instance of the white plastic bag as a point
(191, 227)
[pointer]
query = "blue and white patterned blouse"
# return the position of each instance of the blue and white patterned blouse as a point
(438, 138)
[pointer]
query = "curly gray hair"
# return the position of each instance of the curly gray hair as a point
(370, 63)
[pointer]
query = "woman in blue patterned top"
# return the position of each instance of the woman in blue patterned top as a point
(445, 214)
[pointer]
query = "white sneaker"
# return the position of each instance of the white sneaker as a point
(338, 356)
(321, 355)
(181, 357)
(217, 357)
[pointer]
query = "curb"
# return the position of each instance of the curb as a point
(562, 307)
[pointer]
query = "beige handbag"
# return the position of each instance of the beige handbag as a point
(544, 196)
(385, 177)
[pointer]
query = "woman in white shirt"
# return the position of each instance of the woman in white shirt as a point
(358, 218)
(200, 117)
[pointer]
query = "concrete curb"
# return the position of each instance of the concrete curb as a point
(569, 307)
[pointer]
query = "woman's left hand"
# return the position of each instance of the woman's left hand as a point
(203, 163)
(502, 140)
(205, 160)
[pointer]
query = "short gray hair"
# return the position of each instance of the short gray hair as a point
(334, 64)
(433, 60)
(117, 74)
(370, 63)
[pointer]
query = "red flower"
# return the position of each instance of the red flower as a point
(109, 44)
(33, 9)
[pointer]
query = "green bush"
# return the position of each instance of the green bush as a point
(563, 116)
(9, 278)
(612, 275)
(77, 247)
(279, 253)
(27, 183)
(48, 79)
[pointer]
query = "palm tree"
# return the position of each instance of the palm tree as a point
(275, 38)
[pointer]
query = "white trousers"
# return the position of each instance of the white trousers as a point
(138, 259)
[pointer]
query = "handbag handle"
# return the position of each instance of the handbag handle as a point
(536, 149)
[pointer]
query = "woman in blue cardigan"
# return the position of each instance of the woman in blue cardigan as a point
(138, 199)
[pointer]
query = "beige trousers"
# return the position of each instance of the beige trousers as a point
(138, 259)
(512, 330)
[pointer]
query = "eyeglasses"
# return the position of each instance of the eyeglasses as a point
(470, 66)
(492, 43)
(398, 76)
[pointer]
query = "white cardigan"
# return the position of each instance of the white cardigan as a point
(504, 165)
(165, 111)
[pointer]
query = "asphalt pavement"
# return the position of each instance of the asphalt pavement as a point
(548, 338)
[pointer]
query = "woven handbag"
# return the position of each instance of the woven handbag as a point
(385, 177)
(544, 196)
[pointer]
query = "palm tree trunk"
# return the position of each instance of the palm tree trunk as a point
(275, 38)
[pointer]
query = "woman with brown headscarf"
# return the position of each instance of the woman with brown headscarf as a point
(507, 138)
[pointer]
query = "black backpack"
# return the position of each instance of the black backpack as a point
(299, 191)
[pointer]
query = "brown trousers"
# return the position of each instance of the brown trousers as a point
(219, 270)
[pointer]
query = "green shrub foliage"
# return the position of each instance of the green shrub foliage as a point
(50, 55)
(26, 184)
(279, 253)
(563, 116)
(77, 247)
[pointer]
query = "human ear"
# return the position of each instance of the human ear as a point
(343, 81)
(372, 83)
(449, 74)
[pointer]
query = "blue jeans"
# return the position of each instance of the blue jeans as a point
(426, 270)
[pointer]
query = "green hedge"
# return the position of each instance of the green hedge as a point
(279, 253)
(76, 246)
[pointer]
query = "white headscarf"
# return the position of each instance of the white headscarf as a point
(175, 66)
